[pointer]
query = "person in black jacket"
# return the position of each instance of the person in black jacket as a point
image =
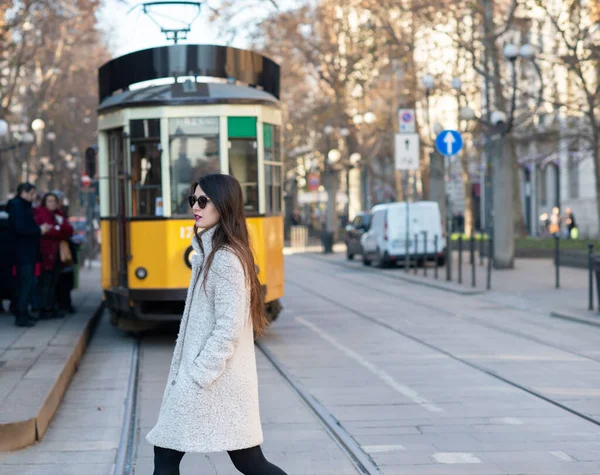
(25, 235)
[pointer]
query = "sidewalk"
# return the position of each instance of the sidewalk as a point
(529, 286)
(38, 363)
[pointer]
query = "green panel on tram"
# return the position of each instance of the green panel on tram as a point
(241, 127)
(268, 135)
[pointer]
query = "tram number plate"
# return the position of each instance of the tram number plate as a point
(186, 232)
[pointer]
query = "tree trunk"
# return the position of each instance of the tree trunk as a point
(517, 201)
(331, 186)
(468, 196)
(596, 155)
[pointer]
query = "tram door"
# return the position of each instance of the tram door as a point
(118, 190)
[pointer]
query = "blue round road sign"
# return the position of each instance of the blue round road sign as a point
(449, 142)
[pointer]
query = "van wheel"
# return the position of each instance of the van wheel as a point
(380, 262)
(441, 261)
(366, 261)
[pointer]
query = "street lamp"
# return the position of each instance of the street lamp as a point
(334, 156)
(38, 125)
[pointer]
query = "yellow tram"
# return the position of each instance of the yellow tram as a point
(166, 116)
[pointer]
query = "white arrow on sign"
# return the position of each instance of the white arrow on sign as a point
(449, 141)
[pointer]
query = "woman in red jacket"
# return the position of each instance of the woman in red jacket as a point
(60, 230)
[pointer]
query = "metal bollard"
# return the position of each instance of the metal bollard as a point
(590, 276)
(416, 252)
(435, 257)
(490, 259)
(460, 246)
(448, 257)
(557, 260)
(473, 277)
(425, 253)
(481, 250)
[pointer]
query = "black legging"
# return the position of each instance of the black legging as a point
(248, 461)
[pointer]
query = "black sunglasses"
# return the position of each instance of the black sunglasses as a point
(202, 201)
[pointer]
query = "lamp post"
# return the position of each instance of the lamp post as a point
(27, 139)
(51, 138)
(332, 156)
(4, 130)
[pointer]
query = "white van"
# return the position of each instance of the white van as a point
(385, 241)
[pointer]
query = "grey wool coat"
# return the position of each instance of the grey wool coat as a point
(210, 403)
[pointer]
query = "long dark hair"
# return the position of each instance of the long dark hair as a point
(226, 194)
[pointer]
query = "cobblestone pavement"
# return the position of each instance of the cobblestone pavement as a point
(429, 382)
(425, 381)
(84, 435)
(294, 438)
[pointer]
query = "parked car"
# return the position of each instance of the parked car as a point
(386, 240)
(354, 230)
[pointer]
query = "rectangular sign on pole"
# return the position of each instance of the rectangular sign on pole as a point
(406, 121)
(407, 151)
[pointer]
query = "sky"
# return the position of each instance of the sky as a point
(129, 31)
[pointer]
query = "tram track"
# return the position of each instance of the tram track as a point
(360, 459)
(463, 316)
(125, 457)
(449, 354)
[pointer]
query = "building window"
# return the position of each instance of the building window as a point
(146, 184)
(573, 170)
(273, 169)
(542, 186)
(194, 149)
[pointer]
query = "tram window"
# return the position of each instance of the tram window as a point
(144, 128)
(146, 178)
(277, 156)
(243, 165)
(273, 180)
(273, 188)
(191, 156)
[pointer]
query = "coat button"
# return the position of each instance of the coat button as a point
(173, 383)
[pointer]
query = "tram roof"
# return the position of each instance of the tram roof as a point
(261, 74)
(175, 94)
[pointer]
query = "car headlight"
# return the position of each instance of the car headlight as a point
(141, 273)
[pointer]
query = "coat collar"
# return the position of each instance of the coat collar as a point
(206, 237)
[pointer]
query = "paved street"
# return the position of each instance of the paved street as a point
(420, 381)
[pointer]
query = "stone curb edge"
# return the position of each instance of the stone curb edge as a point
(413, 279)
(18, 435)
(595, 322)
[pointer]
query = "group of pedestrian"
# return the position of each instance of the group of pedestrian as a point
(38, 249)
(559, 226)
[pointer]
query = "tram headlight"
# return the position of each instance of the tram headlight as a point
(141, 273)
(187, 257)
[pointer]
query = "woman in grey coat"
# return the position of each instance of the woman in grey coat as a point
(210, 403)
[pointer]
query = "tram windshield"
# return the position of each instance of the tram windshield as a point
(194, 151)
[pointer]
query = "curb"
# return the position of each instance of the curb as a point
(594, 322)
(20, 434)
(413, 279)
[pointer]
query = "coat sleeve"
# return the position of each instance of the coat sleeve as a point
(22, 228)
(231, 316)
